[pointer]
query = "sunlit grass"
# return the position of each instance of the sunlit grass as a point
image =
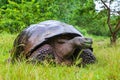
(107, 66)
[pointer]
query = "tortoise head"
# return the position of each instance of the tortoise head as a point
(82, 42)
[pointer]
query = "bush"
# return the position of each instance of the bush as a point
(15, 15)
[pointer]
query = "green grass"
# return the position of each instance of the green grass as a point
(106, 68)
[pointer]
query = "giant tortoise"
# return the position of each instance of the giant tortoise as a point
(55, 40)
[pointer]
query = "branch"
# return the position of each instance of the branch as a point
(105, 4)
(117, 28)
(108, 20)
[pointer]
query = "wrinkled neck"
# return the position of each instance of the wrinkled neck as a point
(72, 43)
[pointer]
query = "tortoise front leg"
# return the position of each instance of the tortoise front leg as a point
(44, 52)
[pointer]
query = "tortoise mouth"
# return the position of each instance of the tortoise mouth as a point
(88, 43)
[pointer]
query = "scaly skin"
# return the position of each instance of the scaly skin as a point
(42, 53)
(65, 48)
(62, 50)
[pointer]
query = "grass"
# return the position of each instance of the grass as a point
(106, 68)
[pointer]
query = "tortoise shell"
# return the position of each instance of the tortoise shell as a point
(36, 34)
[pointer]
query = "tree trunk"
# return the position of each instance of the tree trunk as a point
(113, 39)
(113, 32)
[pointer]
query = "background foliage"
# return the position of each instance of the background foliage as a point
(15, 15)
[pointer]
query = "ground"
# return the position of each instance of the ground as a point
(107, 66)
